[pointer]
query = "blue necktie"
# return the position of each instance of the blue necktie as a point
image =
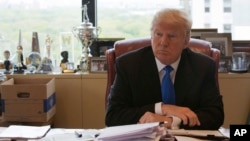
(167, 87)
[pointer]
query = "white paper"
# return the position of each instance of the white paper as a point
(127, 132)
(61, 134)
(185, 138)
(225, 131)
(24, 132)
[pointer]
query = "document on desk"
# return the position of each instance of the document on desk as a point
(129, 132)
(204, 134)
(24, 132)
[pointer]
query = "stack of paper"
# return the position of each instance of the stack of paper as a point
(24, 132)
(130, 132)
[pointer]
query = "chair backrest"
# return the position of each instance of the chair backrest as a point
(123, 46)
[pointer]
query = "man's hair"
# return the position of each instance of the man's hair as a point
(173, 16)
(6, 51)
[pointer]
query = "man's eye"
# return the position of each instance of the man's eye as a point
(171, 35)
(158, 34)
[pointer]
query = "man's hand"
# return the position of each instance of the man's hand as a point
(152, 117)
(187, 116)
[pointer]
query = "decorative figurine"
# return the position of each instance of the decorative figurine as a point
(66, 66)
(19, 67)
(48, 42)
(33, 59)
(7, 63)
(20, 57)
(46, 64)
(65, 56)
(35, 43)
(64, 60)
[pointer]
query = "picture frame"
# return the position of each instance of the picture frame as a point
(99, 47)
(241, 43)
(225, 64)
(196, 32)
(221, 41)
(98, 65)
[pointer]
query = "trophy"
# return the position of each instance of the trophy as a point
(86, 33)
(46, 65)
(34, 58)
(19, 67)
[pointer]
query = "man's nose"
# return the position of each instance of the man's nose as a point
(165, 41)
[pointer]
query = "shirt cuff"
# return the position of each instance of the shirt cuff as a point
(176, 122)
(158, 108)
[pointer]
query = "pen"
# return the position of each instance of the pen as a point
(78, 134)
(96, 135)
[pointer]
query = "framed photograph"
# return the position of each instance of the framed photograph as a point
(100, 46)
(98, 65)
(196, 33)
(241, 43)
(221, 41)
(225, 64)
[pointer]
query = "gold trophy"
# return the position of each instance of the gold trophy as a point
(86, 33)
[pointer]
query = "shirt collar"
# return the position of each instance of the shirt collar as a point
(174, 65)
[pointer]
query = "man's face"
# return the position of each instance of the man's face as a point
(168, 41)
(6, 55)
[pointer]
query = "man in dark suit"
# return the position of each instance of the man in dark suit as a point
(135, 95)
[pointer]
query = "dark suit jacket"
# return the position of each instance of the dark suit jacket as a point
(137, 88)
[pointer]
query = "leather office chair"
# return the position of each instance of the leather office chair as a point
(124, 46)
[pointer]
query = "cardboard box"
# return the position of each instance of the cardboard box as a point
(28, 100)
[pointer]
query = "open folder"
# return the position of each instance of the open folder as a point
(24, 132)
(130, 132)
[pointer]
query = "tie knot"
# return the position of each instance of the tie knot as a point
(168, 68)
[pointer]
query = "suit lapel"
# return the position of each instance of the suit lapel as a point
(184, 78)
(149, 75)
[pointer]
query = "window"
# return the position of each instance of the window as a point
(227, 9)
(227, 28)
(227, 3)
(207, 25)
(207, 6)
(52, 17)
(132, 18)
(207, 9)
(227, 6)
(116, 18)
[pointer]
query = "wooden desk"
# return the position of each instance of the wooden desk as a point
(81, 99)
(235, 89)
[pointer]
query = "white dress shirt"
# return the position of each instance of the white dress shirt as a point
(158, 110)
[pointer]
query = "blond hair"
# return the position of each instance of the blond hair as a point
(173, 16)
